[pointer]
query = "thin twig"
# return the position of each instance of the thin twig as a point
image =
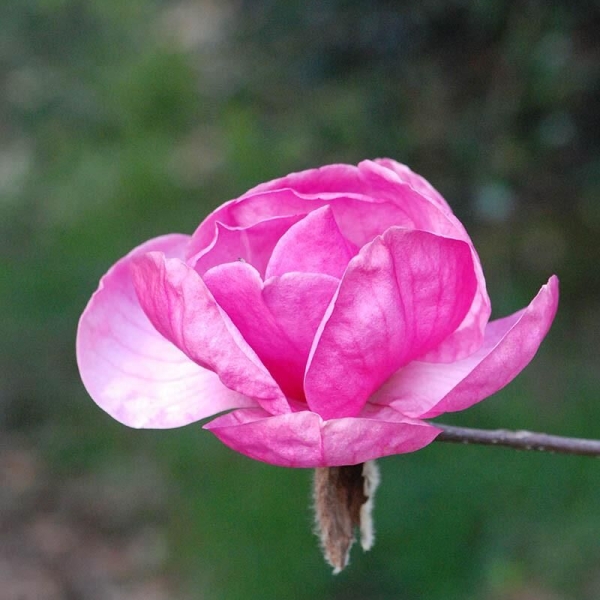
(521, 440)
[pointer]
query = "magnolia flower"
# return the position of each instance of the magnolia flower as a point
(327, 314)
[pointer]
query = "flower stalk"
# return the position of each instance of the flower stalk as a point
(520, 440)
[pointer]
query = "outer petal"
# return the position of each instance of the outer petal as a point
(427, 390)
(278, 320)
(303, 439)
(390, 179)
(131, 370)
(399, 298)
(329, 179)
(406, 175)
(468, 336)
(179, 305)
(313, 245)
(382, 180)
(252, 244)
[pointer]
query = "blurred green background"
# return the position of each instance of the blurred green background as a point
(120, 121)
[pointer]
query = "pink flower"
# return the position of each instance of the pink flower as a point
(329, 312)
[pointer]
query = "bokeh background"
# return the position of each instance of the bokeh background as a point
(120, 121)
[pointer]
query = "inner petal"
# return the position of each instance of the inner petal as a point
(253, 244)
(278, 319)
(313, 245)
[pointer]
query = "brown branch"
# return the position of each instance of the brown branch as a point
(521, 440)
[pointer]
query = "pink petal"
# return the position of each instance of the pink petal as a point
(427, 390)
(469, 335)
(298, 302)
(245, 212)
(366, 201)
(361, 220)
(399, 298)
(390, 179)
(329, 179)
(360, 217)
(407, 175)
(303, 439)
(133, 372)
(179, 305)
(252, 244)
(382, 180)
(313, 245)
(414, 202)
(278, 320)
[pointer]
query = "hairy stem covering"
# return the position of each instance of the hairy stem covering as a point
(343, 500)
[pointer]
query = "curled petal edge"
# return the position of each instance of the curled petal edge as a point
(426, 390)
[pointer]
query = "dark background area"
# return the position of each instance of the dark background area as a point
(120, 121)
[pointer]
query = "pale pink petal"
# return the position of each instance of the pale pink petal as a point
(399, 298)
(278, 319)
(130, 370)
(427, 390)
(253, 244)
(304, 439)
(313, 245)
(179, 305)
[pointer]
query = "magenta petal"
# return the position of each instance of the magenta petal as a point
(379, 181)
(253, 244)
(399, 298)
(369, 199)
(303, 439)
(247, 211)
(133, 372)
(278, 320)
(313, 245)
(406, 175)
(179, 305)
(291, 440)
(361, 213)
(298, 302)
(391, 180)
(469, 335)
(427, 390)
(383, 179)
(329, 179)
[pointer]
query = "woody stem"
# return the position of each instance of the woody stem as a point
(521, 440)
